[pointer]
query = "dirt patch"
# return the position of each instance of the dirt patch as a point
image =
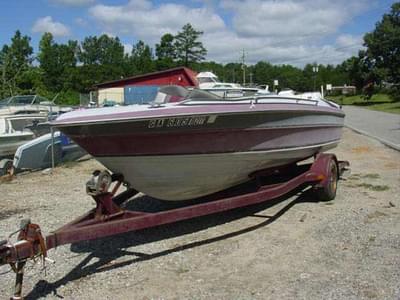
(4, 214)
(361, 150)
(372, 217)
(392, 166)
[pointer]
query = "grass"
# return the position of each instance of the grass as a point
(377, 188)
(357, 176)
(367, 186)
(371, 175)
(381, 102)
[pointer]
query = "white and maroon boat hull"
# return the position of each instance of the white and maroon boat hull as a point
(181, 152)
(181, 177)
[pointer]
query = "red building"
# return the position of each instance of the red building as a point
(178, 76)
(143, 88)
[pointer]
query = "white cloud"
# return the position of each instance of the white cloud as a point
(73, 2)
(286, 31)
(145, 21)
(81, 22)
(286, 18)
(348, 41)
(46, 24)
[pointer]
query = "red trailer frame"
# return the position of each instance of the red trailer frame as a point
(108, 218)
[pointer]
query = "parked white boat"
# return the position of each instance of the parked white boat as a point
(209, 81)
(38, 153)
(30, 104)
(13, 132)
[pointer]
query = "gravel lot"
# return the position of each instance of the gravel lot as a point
(295, 248)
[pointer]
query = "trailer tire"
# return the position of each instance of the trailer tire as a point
(327, 191)
(6, 167)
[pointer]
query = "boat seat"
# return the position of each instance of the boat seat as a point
(174, 90)
(201, 94)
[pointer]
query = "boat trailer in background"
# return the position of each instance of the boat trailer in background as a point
(109, 218)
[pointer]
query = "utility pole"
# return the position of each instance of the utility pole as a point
(315, 71)
(243, 68)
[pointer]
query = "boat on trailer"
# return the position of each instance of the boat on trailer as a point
(203, 144)
(314, 127)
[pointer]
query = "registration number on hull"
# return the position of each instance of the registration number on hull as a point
(181, 121)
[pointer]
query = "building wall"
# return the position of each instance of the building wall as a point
(111, 94)
(176, 77)
(143, 88)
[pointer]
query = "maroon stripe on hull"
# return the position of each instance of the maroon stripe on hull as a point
(199, 142)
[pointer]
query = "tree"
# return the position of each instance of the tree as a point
(142, 58)
(103, 59)
(355, 70)
(14, 61)
(188, 48)
(20, 52)
(4, 64)
(57, 62)
(383, 47)
(103, 50)
(165, 52)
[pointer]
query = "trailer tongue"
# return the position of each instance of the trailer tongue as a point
(109, 218)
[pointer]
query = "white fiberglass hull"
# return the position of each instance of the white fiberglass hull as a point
(10, 142)
(182, 177)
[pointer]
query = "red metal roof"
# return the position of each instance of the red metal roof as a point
(180, 76)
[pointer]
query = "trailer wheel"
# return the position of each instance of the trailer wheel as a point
(6, 167)
(327, 191)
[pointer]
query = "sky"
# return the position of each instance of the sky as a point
(279, 31)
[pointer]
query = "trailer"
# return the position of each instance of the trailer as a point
(110, 218)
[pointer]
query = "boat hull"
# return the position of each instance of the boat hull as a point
(10, 142)
(184, 152)
(182, 177)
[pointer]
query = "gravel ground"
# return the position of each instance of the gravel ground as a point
(295, 248)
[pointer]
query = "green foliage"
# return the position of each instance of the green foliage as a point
(57, 62)
(141, 59)
(14, 61)
(103, 50)
(102, 59)
(232, 72)
(382, 57)
(358, 99)
(381, 102)
(165, 52)
(67, 97)
(188, 49)
(354, 69)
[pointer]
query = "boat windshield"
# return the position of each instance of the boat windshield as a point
(4, 102)
(206, 79)
(225, 85)
(23, 100)
(19, 124)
